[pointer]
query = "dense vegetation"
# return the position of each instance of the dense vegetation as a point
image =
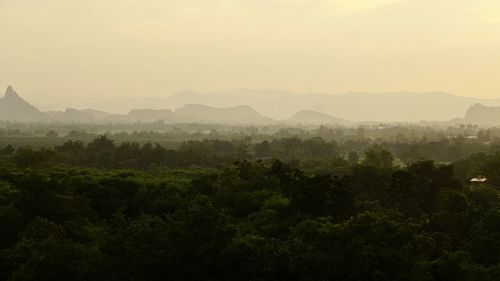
(408, 143)
(284, 209)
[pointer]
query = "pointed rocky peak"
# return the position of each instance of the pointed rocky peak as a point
(12, 97)
(10, 93)
(15, 108)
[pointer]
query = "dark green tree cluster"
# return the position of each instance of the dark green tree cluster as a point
(103, 152)
(208, 144)
(241, 221)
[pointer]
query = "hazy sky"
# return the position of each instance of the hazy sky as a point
(67, 50)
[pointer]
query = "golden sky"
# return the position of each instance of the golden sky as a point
(71, 49)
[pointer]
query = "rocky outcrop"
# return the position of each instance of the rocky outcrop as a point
(16, 109)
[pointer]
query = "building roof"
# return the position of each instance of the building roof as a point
(479, 179)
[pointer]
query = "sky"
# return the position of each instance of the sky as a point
(66, 51)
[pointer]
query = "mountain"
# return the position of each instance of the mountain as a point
(357, 107)
(97, 114)
(73, 115)
(70, 115)
(280, 104)
(150, 115)
(94, 116)
(15, 108)
(153, 115)
(483, 115)
(310, 117)
(226, 108)
(231, 115)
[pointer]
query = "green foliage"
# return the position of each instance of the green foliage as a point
(206, 211)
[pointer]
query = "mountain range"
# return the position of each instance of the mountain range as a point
(292, 109)
(16, 109)
(280, 105)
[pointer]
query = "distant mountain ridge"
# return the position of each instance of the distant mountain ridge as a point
(242, 114)
(14, 108)
(483, 115)
(311, 117)
(424, 106)
(356, 107)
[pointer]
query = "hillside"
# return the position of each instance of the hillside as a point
(357, 107)
(280, 105)
(311, 117)
(231, 115)
(15, 108)
(226, 108)
(483, 115)
(153, 115)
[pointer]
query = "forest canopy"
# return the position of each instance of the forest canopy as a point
(285, 209)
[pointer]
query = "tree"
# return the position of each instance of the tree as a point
(11, 223)
(263, 150)
(243, 150)
(7, 151)
(353, 157)
(378, 157)
(101, 151)
(52, 134)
